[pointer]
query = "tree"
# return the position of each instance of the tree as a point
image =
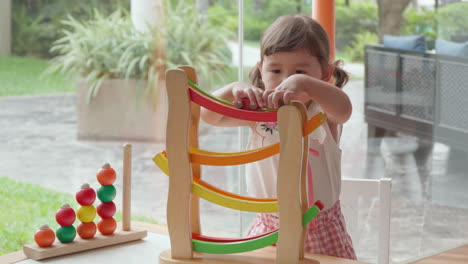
(5, 27)
(259, 5)
(391, 16)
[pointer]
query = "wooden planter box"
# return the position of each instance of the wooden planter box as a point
(118, 113)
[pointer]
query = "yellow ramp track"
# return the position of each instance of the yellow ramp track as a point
(221, 197)
(234, 203)
(228, 199)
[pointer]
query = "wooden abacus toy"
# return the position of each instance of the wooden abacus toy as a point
(182, 163)
(46, 246)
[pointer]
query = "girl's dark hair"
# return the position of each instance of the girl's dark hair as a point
(290, 33)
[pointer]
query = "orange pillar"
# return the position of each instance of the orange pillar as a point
(324, 12)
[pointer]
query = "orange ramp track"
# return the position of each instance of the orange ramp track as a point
(237, 158)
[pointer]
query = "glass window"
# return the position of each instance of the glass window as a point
(413, 97)
(78, 81)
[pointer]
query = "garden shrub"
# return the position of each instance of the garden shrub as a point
(356, 49)
(453, 20)
(353, 19)
(36, 24)
(219, 16)
(418, 22)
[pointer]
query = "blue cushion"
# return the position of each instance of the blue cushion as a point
(414, 43)
(446, 47)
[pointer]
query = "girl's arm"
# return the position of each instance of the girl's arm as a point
(231, 92)
(334, 102)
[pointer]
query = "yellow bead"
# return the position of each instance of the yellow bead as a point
(86, 213)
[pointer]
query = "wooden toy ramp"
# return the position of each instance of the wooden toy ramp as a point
(182, 160)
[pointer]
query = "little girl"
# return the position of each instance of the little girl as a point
(294, 65)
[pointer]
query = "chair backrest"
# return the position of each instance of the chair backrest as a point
(356, 192)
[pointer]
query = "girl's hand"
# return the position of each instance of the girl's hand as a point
(254, 94)
(287, 90)
(232, 92)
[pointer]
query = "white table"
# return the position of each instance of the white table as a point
(142, 251)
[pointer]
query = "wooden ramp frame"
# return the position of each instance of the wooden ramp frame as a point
(183, 205)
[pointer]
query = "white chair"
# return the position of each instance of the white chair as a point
(354, 190)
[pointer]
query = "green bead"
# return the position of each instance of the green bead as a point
(66, 234)
(106, 193)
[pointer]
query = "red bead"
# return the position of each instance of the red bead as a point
(85, 196)
(319, 204)
(106, 210)
(244, 103)
(65, 216)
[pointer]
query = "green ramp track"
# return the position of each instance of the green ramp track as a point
(253, 244)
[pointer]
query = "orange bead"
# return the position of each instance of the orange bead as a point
(86, 230)
(106, 175)
(107, 226)
(44, 236)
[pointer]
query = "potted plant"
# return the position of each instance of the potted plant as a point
(121, 93)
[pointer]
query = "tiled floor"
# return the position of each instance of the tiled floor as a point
(429, 206)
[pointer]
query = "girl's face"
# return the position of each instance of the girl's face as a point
(280, 65)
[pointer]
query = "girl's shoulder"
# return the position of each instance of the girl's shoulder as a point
(328, 128)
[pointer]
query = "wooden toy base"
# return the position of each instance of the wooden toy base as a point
(33, 251)
(261, 256)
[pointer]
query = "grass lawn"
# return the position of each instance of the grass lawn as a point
(24, 207)
(24, 76)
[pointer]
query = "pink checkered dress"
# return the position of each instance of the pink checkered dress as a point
(326, 234)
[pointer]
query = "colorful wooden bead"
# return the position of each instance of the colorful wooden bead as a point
(106, 210)
(106, 193)
(86, 195)
(107, 226)
(86, 230)
(65, 216)
(66, 234)
(44, 236)
(106, 175)
(86, 213)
